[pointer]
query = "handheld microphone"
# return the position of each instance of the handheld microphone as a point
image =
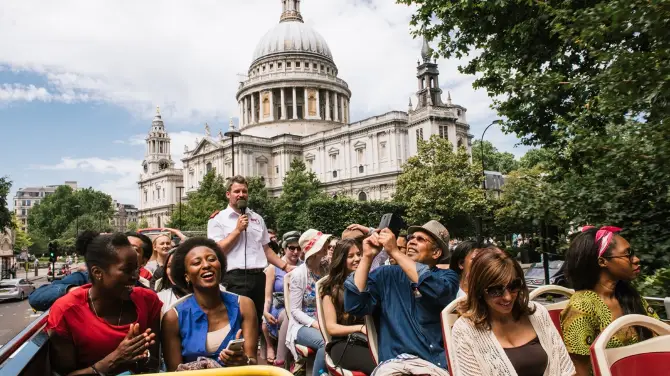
(242, 206)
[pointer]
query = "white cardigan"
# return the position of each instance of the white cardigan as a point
(297, 286)
(478, 352)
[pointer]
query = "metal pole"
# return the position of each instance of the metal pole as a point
(545, 251)
(480, 235)
(180, 224)
(233, 151)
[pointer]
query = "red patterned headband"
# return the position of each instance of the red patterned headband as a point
(606, 233)
(311, 243)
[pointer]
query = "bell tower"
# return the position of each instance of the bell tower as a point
(157, 154)
(429, 92)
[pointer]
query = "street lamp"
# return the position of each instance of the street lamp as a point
(180, 189)
(481, 146)
(232, 133)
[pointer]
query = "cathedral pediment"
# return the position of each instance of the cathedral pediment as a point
(310, 157)
(359, 145)
(332, 151)
(262, 159)
(205, 145)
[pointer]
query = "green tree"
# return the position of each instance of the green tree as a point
(132, 226)
(56, 212)
(40, 243)
(5, 214)
(542, 157)
(143, 223)
(21, 239)
(260, 200)
(200, 204)
(440, 183)
(299, 187)
(494, 160)
(333, 215)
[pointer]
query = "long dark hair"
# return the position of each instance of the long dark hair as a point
(166, 283)
(583, 272)
(333, 285)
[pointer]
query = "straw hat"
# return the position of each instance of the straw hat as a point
(312, 241)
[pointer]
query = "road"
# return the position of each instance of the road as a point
(16, 315)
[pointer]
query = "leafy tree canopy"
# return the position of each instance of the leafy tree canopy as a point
(440, 183)
(21, 239)
(200, 204)
(56, 212)
(494, 160)
(5, 215)
(299, 187)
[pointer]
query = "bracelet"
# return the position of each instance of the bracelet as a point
(95, 370)
(362, 327)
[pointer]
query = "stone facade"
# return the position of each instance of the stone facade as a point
(27, 198)
(124, 215)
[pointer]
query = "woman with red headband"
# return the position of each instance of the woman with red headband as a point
(600, 265)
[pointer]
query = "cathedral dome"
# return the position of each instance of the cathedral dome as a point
(292, 36)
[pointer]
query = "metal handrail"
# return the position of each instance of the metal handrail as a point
(23, 337)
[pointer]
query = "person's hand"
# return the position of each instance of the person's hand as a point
(269, 318)
(289, 267)
(242, 223)
(315, 325)
(388, 241)
(234, 358)
(371, 246)
(358, 227)
(135, 346)
(364, 330)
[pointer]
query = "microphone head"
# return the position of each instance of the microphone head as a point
(242, 206)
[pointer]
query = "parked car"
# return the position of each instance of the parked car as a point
(535, 274)
(15, 289)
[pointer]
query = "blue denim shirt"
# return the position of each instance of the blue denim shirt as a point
(408, 314)
(44, 297)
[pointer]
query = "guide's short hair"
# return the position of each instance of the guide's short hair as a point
(239, 179)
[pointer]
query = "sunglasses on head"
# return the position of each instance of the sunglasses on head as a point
(497, 291)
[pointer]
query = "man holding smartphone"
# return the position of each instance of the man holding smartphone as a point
(242, 235)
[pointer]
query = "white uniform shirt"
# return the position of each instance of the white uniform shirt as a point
(256, 236)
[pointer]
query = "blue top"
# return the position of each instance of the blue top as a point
(193, 327)
(408, 314)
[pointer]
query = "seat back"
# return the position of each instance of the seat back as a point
(371, 328)
(554, 308)
(319, 311)
(448, 317)
(287, 295)
(648, 358)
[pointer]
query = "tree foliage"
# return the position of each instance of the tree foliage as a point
(260, 200)
(21, 239)
(200, 204)
(333, 215)
(557, 67)
(440, 183)
(542, 158)
(494, 160)
(132, 226)
(56, 212)
(299, 187)
(5, 214)
(143, 223)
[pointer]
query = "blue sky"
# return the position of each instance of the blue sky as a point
(79, 81)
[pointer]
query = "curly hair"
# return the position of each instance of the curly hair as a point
(178, 267)
(490, 267)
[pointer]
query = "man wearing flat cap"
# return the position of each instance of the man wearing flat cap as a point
(406, 299)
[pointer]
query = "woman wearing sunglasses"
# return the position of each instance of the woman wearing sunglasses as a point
(600, 266)
(501, 333)
(275, 324)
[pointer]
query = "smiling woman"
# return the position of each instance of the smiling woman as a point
(221, 317)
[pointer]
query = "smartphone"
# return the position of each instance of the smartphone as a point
(392, 222)
(236, 345)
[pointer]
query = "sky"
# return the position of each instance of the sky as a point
(80, 80)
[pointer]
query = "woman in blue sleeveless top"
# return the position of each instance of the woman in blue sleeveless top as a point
(204, 322)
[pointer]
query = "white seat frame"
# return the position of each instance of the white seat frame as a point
(448, 318)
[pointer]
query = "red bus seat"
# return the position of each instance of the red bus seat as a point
(646, 358)
(554, 309)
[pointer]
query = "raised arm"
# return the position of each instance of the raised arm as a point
(360, 290)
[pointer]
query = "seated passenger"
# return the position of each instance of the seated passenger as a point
(202, 325)
(45, 296)
(303, 327)
(275, 323)
(161, 245)
(168, 291)
(349, 346)
(460, 262)
(600, 266)
(109, 326)
(500, 332)
(407, 299)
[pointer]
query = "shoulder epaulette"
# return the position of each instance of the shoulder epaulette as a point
(214, 214)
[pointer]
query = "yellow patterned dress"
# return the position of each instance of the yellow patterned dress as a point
(586, 316)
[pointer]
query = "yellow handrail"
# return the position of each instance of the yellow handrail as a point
(236, 371)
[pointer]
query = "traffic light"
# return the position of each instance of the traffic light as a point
(53, 250)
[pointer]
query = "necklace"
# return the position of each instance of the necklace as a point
(96, 312)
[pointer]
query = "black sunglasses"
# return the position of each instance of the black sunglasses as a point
(497, 291)
(630, 255)
(293, 248)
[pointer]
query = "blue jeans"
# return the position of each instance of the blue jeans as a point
(312, 338)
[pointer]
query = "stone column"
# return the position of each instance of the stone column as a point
(283, 104)
(305, 106)
(295, 106)
(318, 104)
(393, 143)
(344, 115)
(327, 105)
(272, 105)
(253, 108)
(335, 104)
(245, 107)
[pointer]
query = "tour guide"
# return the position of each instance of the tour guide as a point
(244, 238)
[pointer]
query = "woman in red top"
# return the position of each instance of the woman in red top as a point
(109, 326)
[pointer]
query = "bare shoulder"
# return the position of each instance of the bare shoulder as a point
(170, 319)
(246, 304)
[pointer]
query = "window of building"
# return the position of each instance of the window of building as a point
(334, 174)
(23, 211)
(327, 70)
(314, 66)
(419, 136)
(362, 196)
(145, 196)
(361, 169)
(444, 132)
(158, 193)
(297, 64)
(277, 169)
(263, 68)
(208, 166)
(288, 64)
(279, 65)
(271, 65)
(322, 67)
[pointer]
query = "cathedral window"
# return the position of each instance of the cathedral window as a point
(208, 166)
(361, 169)
(314, 66)
(288, 64)
(444, 132)
(419, 136)
(277, 169)
(297, 64)
(362, 196)
(271, 66)
(278, 65)
(322, 67)
(335, 174)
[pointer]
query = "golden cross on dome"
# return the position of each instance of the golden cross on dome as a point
(158, 110)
